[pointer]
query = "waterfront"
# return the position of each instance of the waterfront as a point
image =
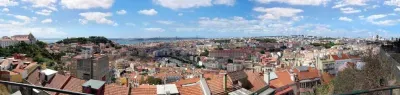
(120, 41)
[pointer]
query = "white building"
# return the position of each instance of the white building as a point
(8, 41)
(234, 67)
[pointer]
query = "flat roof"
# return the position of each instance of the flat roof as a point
(48, 71)
(95, 84)
(163, 89)
(269, 91)
(241, 91)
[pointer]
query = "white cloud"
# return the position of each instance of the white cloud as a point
(87, 4)
(39, 32)
(397, 10)
(165, 22)
(149, 12)
(11, 27)
(183, 4)
(225, 2)
(392, 3)
(154, 30)
(375, 6)
(385, 22)
(344, 3)
(50, 4)
(44, 12)
(47, 21)
(5, 10)
(345, 19)
(130, 24)
(277, 12)
(349, 10)
(376, 19)
(5, 3)
(361, 17)
(121, 12)
(297, 2)
(25, 19)
(21, 17)
(98, 17)
(180, 14)
(238, 25)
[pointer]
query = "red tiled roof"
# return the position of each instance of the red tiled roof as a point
(310, 74)
(216, 85)
(145, 90)
(190, 90)
(33, 78)
(256, 81)
(113, 89)
(282, 80)
(59, 81)
(343, 57)
(74, 85)
(163, 75)
(284, 92)
(186, 81)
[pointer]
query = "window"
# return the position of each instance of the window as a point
(86, 76)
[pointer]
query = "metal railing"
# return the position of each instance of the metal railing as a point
(31, 87)
(357, 92)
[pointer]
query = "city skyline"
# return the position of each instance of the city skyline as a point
(199, 18)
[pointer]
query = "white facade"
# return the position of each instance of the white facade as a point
(234, 67)
(8, 41)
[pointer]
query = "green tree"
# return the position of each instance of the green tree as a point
(153, 81)
(230, 61)
(205, 53)
(262, 52)
(376, 73)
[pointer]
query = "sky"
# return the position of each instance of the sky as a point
(199, 18)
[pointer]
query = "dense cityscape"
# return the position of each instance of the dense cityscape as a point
(279, 65)
(199, 47)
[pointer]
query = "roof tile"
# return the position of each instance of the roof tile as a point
(114, 89)
(74, 84)
(58, 82)
(145, 90)
(190, 90)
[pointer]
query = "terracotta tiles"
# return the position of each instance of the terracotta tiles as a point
(282, 80)
(145, 90)
(33, 78)
(310, 74)
(113, 89)
(216, 85)
(58, 82)
(186, 81)
(342, 57)
(190, 90)
(74, 85)
(256, 81)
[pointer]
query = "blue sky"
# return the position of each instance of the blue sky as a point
(202, 18)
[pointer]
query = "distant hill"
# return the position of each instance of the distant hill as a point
(83, 40)
(158, 38)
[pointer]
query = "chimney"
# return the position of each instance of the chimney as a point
(225, 82)
(129, 87)
(269, 77)
(201, 76)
